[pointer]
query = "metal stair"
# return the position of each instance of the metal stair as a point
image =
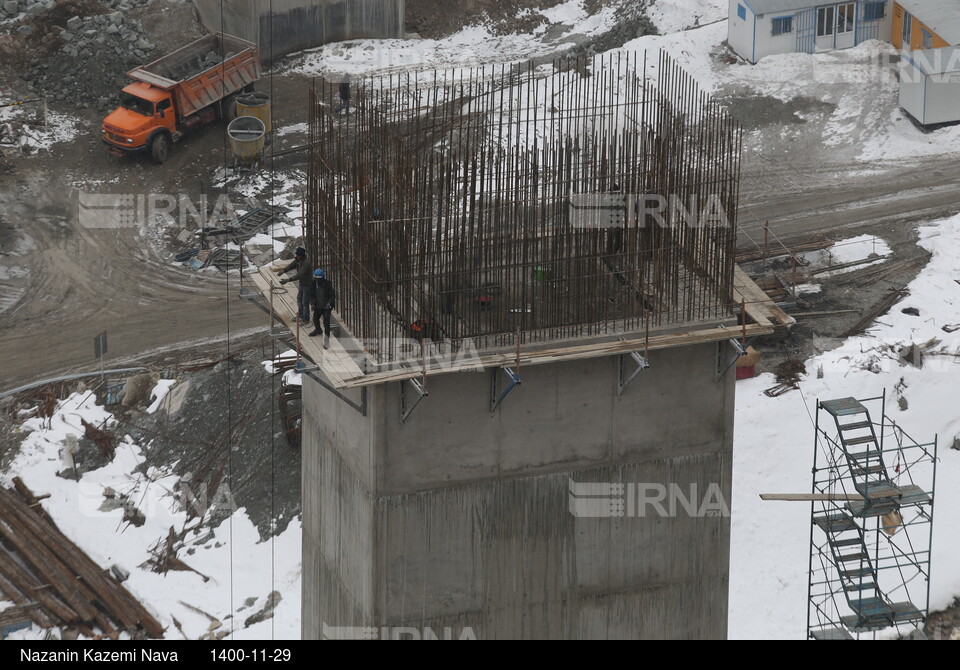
(872, 610)
(853, 572)
(870, 477)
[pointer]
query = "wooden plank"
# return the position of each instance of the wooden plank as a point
(336, 363)
(343, 372)
(809, 497)
(45, 564)
(74, 574)
(20, 578)
(575, 352)
(759, 306)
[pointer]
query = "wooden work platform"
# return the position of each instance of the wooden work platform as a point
(336, 364)
(343, 370)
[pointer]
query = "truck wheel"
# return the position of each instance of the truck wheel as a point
(160, 149)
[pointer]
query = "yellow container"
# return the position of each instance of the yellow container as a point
(256, 104)
(247, 135)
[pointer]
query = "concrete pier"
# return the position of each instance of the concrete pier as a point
(459, 521)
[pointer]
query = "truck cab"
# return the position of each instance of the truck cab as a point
(195, 85)
(144, 111)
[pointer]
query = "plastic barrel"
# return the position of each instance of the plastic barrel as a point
(247, 135)
(256, 104)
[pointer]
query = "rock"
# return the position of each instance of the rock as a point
(67, 36)
(25, 30)
(34, 10)
(956, 443)
(267, 612)
(912, 311)
(74, 23)
(116, 18)
(902, 402)
(11, 7)
(138, 389)
(112, 29)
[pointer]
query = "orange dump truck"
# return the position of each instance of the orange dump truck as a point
(183, 90)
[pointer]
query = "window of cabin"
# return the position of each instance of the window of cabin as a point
(782, 25)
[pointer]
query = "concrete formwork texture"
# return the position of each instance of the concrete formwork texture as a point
(460, 521)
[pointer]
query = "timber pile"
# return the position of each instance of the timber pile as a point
(53, 582)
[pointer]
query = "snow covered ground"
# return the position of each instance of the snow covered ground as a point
(774, 436)
(473, 46)
(237, 571)
(60, 127)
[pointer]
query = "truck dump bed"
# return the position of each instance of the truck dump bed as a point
(204, 71)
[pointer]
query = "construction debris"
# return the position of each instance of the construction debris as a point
(163, 555)
(105, 440)
(895, 296)
(137, 389)
(788, 378)
(54, 582)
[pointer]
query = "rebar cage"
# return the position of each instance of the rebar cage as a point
(521, 204)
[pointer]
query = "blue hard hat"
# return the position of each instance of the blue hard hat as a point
(319, 274)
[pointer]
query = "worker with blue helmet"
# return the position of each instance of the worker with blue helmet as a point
(324, 302)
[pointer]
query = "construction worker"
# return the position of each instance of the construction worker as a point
(345, 95)
(304, 276)
(324, 302)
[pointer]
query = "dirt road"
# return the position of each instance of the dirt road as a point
(800, 202)
(62, 283)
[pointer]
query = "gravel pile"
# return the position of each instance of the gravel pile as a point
(82, 48)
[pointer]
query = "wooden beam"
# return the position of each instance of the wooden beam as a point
(335, 363)
(342, 371)
(558, 354)
(760, 307)
(810, 497)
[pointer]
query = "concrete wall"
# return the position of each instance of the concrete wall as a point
(284, 26)
(461, 518)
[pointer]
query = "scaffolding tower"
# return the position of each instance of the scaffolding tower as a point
(871, 523)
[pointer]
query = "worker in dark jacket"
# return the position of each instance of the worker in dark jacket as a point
(345, 95)
(324, 302)
(304, 276)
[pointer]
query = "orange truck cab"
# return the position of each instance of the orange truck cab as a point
(181, 91)
(144, 111)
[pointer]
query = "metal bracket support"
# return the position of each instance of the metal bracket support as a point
(740, 349)
(362, 407)
(421, 392)
(303, 368)
(496, 395)
(642, 362)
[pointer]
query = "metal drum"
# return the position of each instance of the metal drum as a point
(258, 105)
(247, 135)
